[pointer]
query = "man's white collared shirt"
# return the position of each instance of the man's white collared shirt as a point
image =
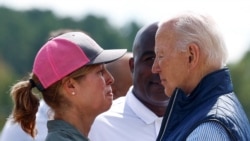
(127, 120)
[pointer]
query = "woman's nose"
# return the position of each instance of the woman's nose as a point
(110, 79)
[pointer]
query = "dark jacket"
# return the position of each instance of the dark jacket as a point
(212, 100)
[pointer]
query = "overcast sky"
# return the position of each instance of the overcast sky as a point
(231, 15)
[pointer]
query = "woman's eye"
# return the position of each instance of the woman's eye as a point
(101, 72)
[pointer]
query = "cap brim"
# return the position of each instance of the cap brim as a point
(107, 56)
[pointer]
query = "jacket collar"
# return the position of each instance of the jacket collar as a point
(215, 83)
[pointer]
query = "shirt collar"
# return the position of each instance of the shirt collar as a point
(140, 109)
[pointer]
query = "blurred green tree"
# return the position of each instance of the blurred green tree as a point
(241, 80)
(7, 77)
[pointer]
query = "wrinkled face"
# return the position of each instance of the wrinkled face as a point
(96, 91)
(147, 86)
(170, 63)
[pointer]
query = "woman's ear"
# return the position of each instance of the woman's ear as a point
(69, 85)
(194, 55)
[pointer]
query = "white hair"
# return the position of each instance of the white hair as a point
(201, 30)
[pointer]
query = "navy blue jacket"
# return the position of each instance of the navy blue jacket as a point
(212, 100)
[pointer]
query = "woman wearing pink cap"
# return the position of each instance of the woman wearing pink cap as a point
(70, 72)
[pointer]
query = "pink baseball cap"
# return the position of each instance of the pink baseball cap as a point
(68, 52)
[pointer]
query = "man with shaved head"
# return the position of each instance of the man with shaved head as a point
(138, 115)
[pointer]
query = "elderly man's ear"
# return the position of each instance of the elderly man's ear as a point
(194, 54)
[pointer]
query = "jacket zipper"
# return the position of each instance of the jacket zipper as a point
(170, 112)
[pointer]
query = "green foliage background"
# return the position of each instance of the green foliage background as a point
(22, 33)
